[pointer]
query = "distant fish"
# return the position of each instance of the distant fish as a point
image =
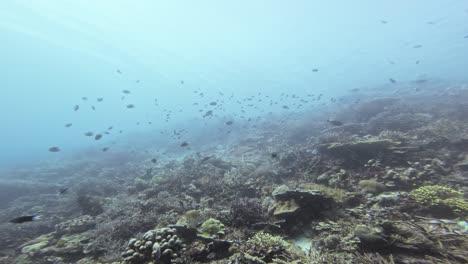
(62, 190)
(24, 219)
(125, 91)
(54, 149)
(118, 71)
(213, 103)
(208, 113)
(89, 134)
(84, 98)
(383, 21)
(100, 99)
(274, 155)
(354, 90)
(110, 128)
(419, 81)
(184, 144)
(137, 81)
(229, 123)
(335, 122)
(417, 62)
(285, 107)
(154, 160)
(315, 70)
(76, 108)
(466, 36)
(98, 137)
(417, 46)
(68, 125)
(130, 106)
(94, 108)
(105, 149)
(182, 82)
(392, 80)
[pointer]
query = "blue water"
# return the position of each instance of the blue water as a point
(53, 53)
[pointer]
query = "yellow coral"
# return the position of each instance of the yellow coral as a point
(438, 195)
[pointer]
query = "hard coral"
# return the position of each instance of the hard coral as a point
(270, 248)
(245, 212)
(441, 196)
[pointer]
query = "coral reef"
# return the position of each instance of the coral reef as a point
(389, 185)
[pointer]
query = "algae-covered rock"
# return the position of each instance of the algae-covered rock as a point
(285, 208)
(191, 218)
(211, 228)
(77, 225)
(296, 204)
(372, 186)
(32, 249)
(370, 237)
(33, 246)
(360, 150)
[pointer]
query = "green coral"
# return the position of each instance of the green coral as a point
(211, 228)
(438, 195)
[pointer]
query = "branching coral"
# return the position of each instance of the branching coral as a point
(270, 248)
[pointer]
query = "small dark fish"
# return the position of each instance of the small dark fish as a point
(392, 80)
(89, 134)
(229, 123)
(110, 128)
(285, 107)
(154, 160)
(315, 70)
(100, 99)
(118, 71)
(107, 133)
(213, 103)
(130, 106)
(54, 149)
(417, 62)
(137, 81)
(98, 137)
(184, 144)
(466, 36)
(94, 108)
(105, 149)
(62, 190)
(335, 122)
(125, 91)
(24, 219)
(274, 155)
(208, 113)
(182, 82)
(354, 90)
(68, 125)
(205, 158)
(84, 98)
(417, 46)
(76, 107)
(420, 81)
(383, 21)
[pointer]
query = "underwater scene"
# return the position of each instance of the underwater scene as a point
(234, 132)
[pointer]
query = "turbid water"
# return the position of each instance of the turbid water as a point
(243, 132)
